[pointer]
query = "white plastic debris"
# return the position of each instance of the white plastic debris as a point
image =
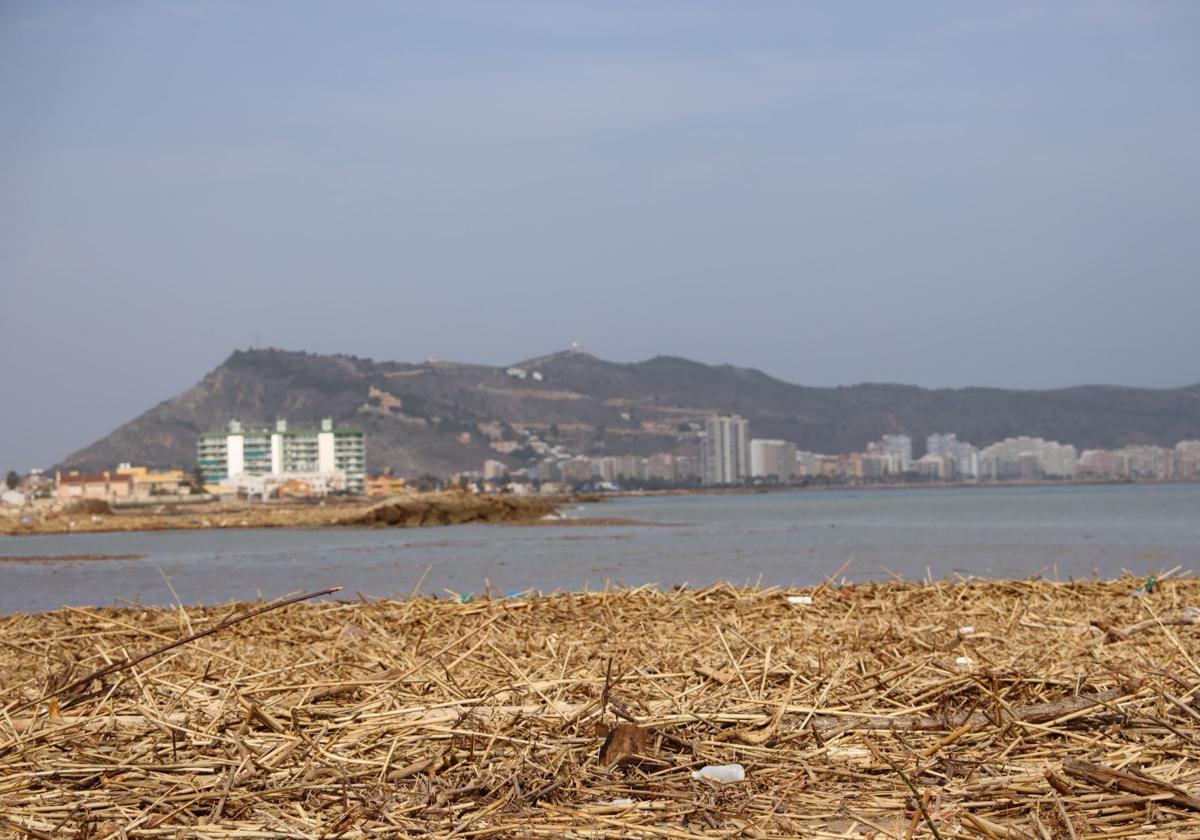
(966, 630)
(624, 803)
(720, 773)
(964, 663)
(800, 600)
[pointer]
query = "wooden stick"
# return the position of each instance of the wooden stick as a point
(132, 661)
(1107, 777)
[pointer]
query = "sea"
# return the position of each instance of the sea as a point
(788, 539)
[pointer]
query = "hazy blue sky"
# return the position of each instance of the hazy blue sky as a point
(935, 193)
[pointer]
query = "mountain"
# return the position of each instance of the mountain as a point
(442, 416)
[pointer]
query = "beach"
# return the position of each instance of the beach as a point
(1014, 708)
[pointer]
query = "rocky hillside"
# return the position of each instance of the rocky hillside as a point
(442, 417)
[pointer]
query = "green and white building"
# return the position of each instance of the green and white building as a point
(334, 455)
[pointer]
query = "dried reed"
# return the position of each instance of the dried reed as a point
(1068, 711)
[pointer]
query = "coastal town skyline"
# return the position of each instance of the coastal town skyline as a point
(525, 374)
(284, 461)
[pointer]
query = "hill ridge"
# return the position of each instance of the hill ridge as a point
(443, 416)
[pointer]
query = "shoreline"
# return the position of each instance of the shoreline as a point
(409, 511)
(432, 509)
(932, 485)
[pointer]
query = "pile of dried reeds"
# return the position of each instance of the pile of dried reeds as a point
(411, 510)
(975, 709)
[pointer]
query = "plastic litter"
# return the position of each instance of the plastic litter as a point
(720, 773)
(800, 600)
(964, 663)
(966, 630)
(625, 803)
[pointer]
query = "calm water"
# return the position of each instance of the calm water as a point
(780, 538)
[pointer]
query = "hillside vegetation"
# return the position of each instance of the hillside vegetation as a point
(442, 417)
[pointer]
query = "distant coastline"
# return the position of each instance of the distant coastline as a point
(931, 485)
(421, 509)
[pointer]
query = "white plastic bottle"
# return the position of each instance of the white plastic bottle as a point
(721, 774)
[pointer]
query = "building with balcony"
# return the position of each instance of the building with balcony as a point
(148, 483)
(1186, 465)
(1027, 458)
(337, 453)
(578, 470)
(899, 448)
(772, 459)
(630, 467)
(1146, 463)
(725, 454)
(661, 467)
(386, 485)
(964, 458)
(494, 470)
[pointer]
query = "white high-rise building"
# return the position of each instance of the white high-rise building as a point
(493, 470)
(772, 459)
(900, 448)
(726, 450)
(1028, 458)
(337, 454)
(965, 457)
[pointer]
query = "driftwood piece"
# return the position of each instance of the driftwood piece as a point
(1034, 713)
(1107, 777)
(161, 649)
(1120, 634)
(625, 742)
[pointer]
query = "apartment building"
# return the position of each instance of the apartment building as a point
(899, 448)
(1028, 458)
(963, 456)
(772, 459)
(336, 453)
(725, 454)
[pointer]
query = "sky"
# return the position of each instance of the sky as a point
(942, 194)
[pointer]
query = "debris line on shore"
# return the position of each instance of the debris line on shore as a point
(610, 714)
